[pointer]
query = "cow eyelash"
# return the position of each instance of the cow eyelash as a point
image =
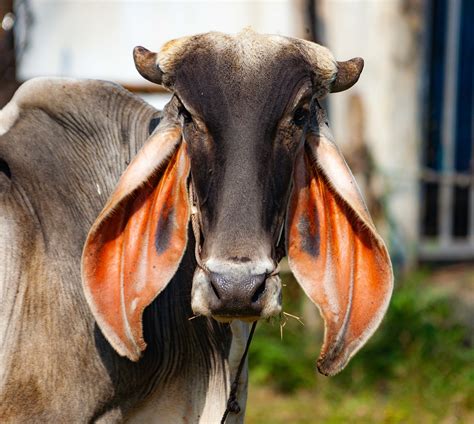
(300, 116)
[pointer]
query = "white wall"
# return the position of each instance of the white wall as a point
(95, 38)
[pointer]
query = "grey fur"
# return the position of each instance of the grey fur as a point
(67, 147)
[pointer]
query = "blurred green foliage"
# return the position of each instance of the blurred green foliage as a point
(420, 359)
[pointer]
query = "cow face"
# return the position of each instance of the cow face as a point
(241, 175)
(243, 127)
(244, 132)
(242, 138)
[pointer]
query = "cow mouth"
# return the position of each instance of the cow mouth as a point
(260, 304)
(226, 319)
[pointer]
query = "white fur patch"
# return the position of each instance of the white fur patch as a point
(200, 294)
(8, 116)
(259, 266)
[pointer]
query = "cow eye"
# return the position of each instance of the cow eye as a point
(153, 124)
(4, 168)
(300, 116)
(187, 118)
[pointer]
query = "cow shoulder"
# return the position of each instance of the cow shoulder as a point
(63, 145)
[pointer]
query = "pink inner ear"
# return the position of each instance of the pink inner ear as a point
(339, 262)
(132, 254)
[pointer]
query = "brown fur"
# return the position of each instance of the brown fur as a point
(250, 51)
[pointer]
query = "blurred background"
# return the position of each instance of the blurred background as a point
(407, 132)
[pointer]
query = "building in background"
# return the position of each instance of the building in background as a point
(406, 128)
(95, 38)
(411, 114)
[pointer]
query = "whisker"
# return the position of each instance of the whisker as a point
(294, 317)
(282, 325)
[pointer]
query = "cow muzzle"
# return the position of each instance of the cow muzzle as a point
(230, 291)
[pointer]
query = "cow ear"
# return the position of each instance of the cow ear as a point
(136, 244)
(335, 252)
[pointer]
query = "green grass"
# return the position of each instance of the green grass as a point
(418, 367)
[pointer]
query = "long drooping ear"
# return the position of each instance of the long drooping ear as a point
(334, 250)
(136, 244)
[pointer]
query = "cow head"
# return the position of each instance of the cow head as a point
(244, 145)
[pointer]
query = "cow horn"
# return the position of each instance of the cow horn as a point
(348, 73)
(147, 64)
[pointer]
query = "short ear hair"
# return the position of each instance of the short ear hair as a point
(136, 244)
(334, 250)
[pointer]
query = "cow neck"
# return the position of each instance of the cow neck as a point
(232, 404)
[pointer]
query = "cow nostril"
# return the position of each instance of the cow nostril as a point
(234, 292)
(259, 292)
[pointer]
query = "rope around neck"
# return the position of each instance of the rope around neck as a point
(232, 404)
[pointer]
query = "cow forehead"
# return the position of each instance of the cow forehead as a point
(248, 48)
(217, 73)
(245, 56)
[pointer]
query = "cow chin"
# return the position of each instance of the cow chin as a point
(206, 301)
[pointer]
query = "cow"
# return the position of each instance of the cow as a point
(137, 246)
